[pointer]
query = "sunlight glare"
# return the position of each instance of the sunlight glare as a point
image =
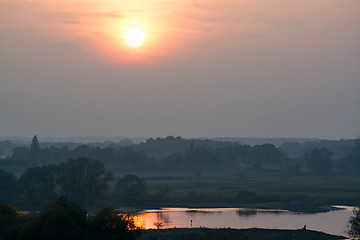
(134, 37)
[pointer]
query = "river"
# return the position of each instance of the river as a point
(332, 222)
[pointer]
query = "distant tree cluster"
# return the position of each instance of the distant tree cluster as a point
(83, 180)
(163, 151)
(351, 163)
(54, 155)
(65, 219)
(319, 161)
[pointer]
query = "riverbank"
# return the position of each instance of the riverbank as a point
(228, 234)
(296, 208)
(250, 207)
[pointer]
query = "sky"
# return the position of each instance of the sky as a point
(235, 68)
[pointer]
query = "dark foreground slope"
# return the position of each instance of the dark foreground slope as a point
(234, 234)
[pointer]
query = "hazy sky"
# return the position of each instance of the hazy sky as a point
(207, 68)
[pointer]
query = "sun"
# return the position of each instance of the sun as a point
(134, 37)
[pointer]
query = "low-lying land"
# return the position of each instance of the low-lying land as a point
(234, 234)
(177, 172)
(229, 186)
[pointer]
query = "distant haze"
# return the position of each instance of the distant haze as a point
(211, 68)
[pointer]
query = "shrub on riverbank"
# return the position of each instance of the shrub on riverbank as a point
(65, 219)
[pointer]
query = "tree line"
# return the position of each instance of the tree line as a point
(166, 151)
(171, 151)
(83, 180)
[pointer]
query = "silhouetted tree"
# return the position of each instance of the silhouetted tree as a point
(160, 193)
(351, 163)
(131, 190)
(83, 179)
(37, 186)
(61, 219)
(158, 225)
(128, 156)
(265, 153)
(11, 221)
(354, 224)
(7, 187)
(199, 156)
(319, 161)
(111, 225)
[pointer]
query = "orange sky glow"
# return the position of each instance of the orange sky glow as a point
(169, 26)
(244, 64)
(100, 26)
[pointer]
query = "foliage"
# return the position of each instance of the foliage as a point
(65, 219)
(83, 179)
(160, 148)
(351, 163)
(10, 222)
(37, 186)
(160, 192)
(265, 153)
(129, 156)
(111, 225)
(200, 172)
(341, 148)
(131, 190)
(7, 187)
(354, 224)
(158, 225)
(61, 219)
(319, 161)
(199, 156)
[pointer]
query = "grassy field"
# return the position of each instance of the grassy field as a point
(219, 185)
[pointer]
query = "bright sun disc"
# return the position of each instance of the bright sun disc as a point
(134, 37)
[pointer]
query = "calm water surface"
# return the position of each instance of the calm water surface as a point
(333, 222)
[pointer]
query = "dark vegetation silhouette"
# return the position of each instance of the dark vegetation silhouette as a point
(54, 171)
(176, 151)
(65, 219)
(319, 161)
(354, 224)
(83, 180)
(49, 174)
